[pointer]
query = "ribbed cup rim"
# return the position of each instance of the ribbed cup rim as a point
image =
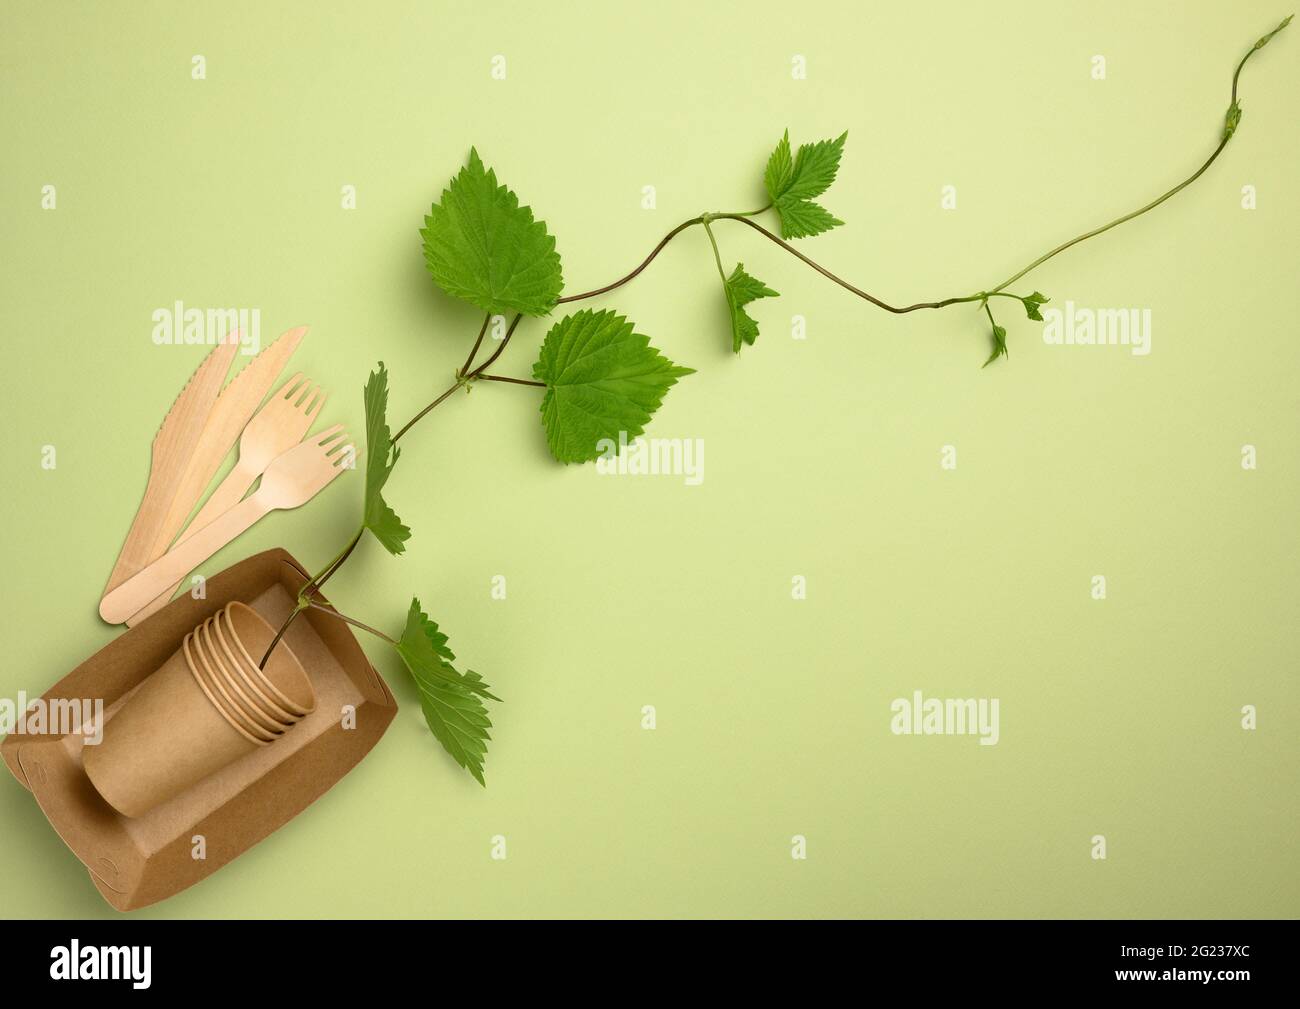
(211, 696)
(226, 682)
(251, 664)
(217, 678)
(234, 669)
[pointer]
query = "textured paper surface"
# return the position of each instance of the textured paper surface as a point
(1119, 717)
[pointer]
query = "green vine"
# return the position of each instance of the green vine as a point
(601, 379)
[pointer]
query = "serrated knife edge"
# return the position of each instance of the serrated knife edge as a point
(233, 410)
(173, 443)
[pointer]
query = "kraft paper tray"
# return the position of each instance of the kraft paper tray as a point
(136, 862)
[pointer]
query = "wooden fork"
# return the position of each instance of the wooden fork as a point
(278, 426)
(292, 479)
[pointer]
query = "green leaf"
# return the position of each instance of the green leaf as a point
(452, 703)
(601, 379)
(1032, 304)
(780, 169)
(803, 218)
(1264, 41)
(459, 721)
(792, 185)
(999, 345)
(814, 168)
(741, 289)
(481, 246)
(423, 645)
(390, 530)
(381, 457)
(1232, 119)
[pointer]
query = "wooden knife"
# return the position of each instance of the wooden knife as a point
(233, 410)
(173, 446)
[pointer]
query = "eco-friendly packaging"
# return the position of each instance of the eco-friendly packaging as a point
(167, 737)
(251, 636)
(215, 681)
(244, 683)
(137, 861)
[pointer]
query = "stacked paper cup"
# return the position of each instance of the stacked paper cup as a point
(208, 705)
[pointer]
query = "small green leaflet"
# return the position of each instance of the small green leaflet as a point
(999, 345)
(803, 219)
(452, 703)
(814, 168)
(602, 379)
(1032, 304)
(381, 457)
(481, 246)
(791, 184)
(1232, 120)
(741, 289)
(780, 169)
(1264, 41)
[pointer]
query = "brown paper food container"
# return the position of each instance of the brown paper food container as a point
(167, 737)
(211, 679)
(251, 636)
(234, 667)
(137, 862)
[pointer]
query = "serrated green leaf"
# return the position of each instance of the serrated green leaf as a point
(452, 703)
(459, 721)
(424, 646)
(999, 345)
(803, 218)
(741, 289)
(381, 457)
(780, 169)
(437, 640)
(1032, 303)
(481, 246)
(390, 530)
(792, 185)
(814, 168)
(602, 379)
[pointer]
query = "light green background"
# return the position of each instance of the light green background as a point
(1119, 717)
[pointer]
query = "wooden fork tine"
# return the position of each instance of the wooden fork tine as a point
(304, 405)
(319, 402)
(286, 390)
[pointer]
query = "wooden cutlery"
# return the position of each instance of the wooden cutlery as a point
(281, 424)
(173, 448)
(196, 435)
(226, 419)
(292, 479)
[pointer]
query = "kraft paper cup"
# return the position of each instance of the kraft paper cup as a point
(227, 683)
(283, 678)
(207, 667)
(202, 676)
(235, 665)
(168, 736)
